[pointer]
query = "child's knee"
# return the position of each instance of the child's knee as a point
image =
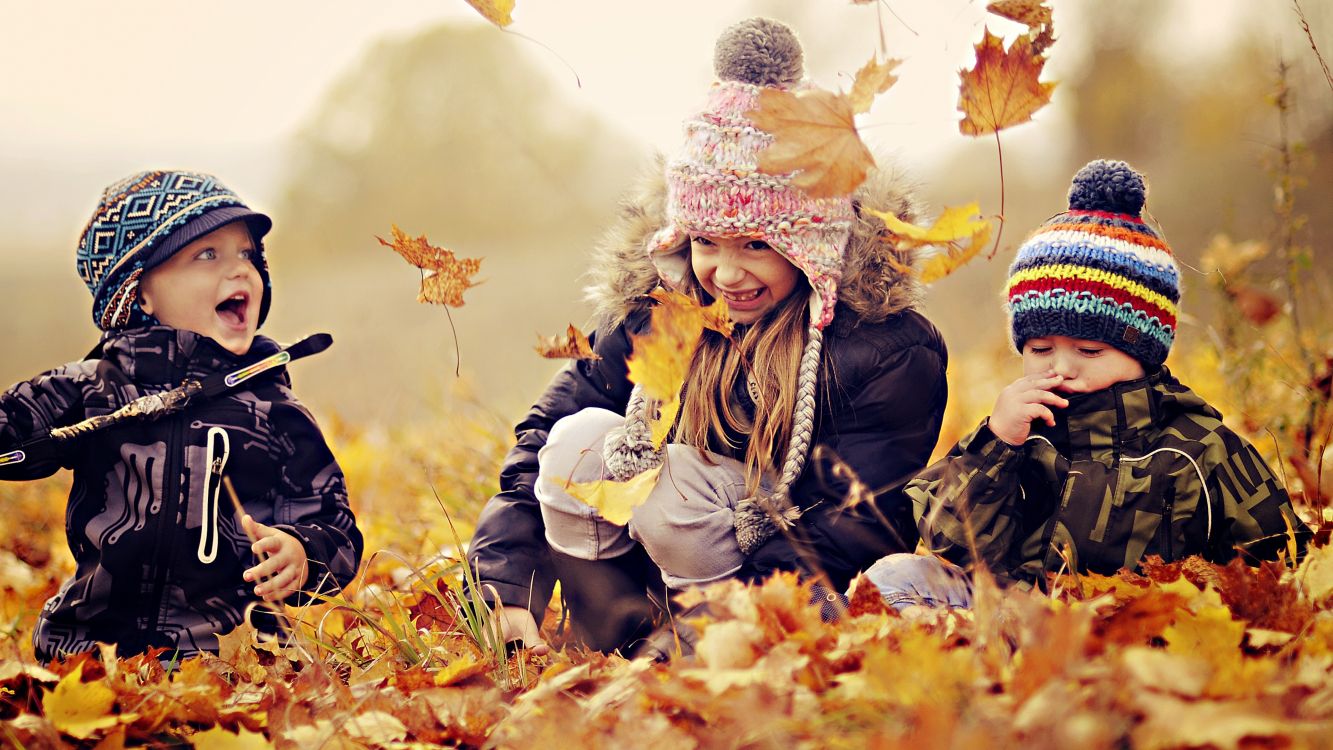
(573, 449)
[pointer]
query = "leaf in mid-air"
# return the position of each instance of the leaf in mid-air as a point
(616, 500)
(814, 137)
(1002, 90)
(872, 79)
(446, 276)
(959, 231)
(498, 12)
(571, 345)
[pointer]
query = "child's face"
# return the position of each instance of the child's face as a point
(211, 287)
(1086, 366)
(751, 276)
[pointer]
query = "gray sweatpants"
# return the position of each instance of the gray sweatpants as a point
(685, 524)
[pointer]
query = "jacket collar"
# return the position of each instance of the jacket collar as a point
(161, 355)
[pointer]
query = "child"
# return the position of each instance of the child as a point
(828, 351)
(176, 267)
(1097, 456)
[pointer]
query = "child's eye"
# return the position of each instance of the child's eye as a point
(704, 241)
(1088, 351)
(247, 254)
(208, 254)
(758, 245)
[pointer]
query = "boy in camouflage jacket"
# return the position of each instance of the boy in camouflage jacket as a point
(175, 263)
(1097, 456)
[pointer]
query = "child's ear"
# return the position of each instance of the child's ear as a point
(144, 303)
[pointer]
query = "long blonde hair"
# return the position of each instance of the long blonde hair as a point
(767, 354)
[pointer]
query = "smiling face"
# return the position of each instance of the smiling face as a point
(211, 286)
(1085, 365)
(749, 274)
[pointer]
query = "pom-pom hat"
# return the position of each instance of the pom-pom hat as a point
(1097, 271)
(140, 222)
(714, 186)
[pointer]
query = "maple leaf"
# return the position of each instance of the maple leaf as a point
(1032, 13)
(872, 79)
(446, 275)
(959, 234)
(498, 12)
(615, 500)
(814, 137)
(661, 356)
(572, 345)
(1002, 90)
(218, 738)
(82, 709)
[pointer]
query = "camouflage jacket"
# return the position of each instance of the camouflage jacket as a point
(158, 548)
(1145, 467)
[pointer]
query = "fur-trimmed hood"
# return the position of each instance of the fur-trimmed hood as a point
(873, 285)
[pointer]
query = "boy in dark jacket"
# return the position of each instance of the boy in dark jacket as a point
(175, 263)
(1097, 456)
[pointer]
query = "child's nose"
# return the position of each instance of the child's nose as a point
(728, 272)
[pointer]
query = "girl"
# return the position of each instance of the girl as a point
(827, 351)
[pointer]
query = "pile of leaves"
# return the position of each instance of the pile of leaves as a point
(1187, 654)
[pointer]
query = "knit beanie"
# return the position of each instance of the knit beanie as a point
(140, 222)
(714, 187)
(1097, 271)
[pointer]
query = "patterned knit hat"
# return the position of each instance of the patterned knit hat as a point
(714, 186)
(144, 219)
(1097, 271)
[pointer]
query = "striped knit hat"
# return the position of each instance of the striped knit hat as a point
(1097, 271)
(714, 186)
(140, 222)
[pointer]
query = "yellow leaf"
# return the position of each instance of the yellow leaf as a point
(956, 232)
(1315, 575)
(662, 355)
(873, 78)
(615, 500)
(447, 276)
(375, 727)
(666, 417)
(498, 12)
(81, 709)
(814, 137)
(460, 669)
(218, 738)
(1002, 90)
(572, 345)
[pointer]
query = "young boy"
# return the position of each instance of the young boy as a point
(175, 264)
(1097, 456)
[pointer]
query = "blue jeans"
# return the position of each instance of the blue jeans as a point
(905, 580)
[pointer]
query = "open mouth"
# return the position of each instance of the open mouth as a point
(741, 298)
(233, 310)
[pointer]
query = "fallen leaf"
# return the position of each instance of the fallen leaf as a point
(814, 140)
(82, 709)
(572, 345)
(616, 500)
(1002, 90)
(218, 738)
(498, 12)
(446, 275)
(375, 727)
(872, 79)
(956, 231)
(461, 668)
(1254, 304)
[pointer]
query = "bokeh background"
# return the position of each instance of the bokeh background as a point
(341, 118)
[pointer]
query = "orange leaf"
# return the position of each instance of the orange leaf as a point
(1002, 90)
(956, 232)
(662, 355)
(1256, 305)
(82, 709)
(1032, 13)
(572, 345)
(814, 137)
(498, 12)
(447, 276)
(872, 79)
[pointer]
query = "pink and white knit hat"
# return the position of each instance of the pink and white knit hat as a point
(714, 186)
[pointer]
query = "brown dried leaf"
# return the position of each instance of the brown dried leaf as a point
(1254, 304)
(872, 79)
(1002, 89)
(1032, 13)
(572, 345)
(447, 276)
(814, 139)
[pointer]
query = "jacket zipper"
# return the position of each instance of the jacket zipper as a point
(1049, 544)
(208, 511)
(1168, 512)
(172, 507)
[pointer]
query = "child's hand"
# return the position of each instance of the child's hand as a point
(284, 571)
(1028, 398)
(517, 624)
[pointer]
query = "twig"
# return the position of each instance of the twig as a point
(1305, 25)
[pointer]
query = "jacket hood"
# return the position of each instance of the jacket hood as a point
(874, 282)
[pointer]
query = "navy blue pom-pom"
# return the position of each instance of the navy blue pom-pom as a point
(1111, 186)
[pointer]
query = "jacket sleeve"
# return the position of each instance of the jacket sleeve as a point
(32, 408)
(969, 500)
(508, 551)
(310, 501)
(884, 432)
(1258, 518)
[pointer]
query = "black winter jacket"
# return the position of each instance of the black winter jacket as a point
(158, 547)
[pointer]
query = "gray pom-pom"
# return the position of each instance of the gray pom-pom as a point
(759, 51)
(1111, 186)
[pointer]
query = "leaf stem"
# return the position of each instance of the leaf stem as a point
(1000, 232)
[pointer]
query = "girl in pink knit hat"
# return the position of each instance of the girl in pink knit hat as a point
(828, 351)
